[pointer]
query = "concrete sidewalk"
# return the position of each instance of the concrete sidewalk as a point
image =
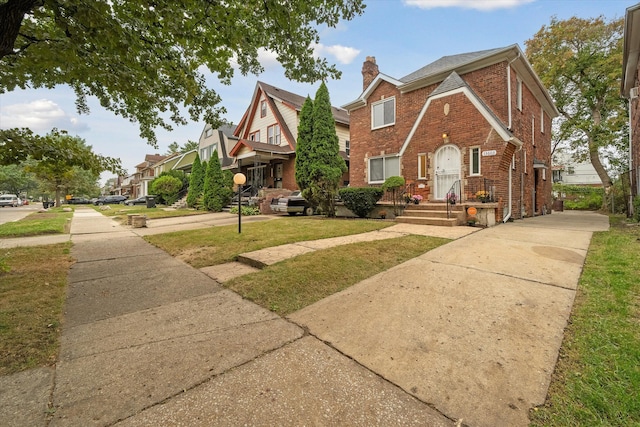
(469, 331)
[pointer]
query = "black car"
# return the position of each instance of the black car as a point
(139, 201)
(78, 201)
(109, 200)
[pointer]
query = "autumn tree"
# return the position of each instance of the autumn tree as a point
(147, 61)
(322, 167)
(579, 61)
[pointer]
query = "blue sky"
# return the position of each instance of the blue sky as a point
(403, 35)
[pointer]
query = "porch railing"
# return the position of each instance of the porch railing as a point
(454, 195)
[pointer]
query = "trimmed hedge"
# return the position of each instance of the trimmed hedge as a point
(360, 200)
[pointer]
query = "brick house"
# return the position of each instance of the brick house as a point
(630, 89)
(469, 123)
(265, 139)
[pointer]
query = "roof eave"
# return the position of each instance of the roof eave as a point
(630, 55)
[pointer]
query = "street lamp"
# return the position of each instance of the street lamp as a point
(239, 179)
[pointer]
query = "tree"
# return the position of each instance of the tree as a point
(578, 60)
(173, 148)
(188, 146)
(56, 155)
(323, 165)
(167, 188)
(303, 146)
(216, 190)
(144, 59)
(196, 182)
(14, 179)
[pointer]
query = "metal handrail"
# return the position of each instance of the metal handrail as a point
(453, 195)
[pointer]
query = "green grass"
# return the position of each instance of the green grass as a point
(217, 245)
(293, 284)
(597, 378)
(32, 296)
(53, 221)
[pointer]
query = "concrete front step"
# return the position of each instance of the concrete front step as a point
(433, 207)
(430, 214)
(442, 222)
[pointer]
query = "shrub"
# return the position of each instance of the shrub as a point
(246, 210)
(167, 188)
(361, 201)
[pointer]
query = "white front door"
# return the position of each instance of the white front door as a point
(447, 167)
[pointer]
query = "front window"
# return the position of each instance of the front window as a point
(383, 113)
(347, 147)
(519, 94)
(273, 134)
(208, 133)
(422, 166)
(474, 156)
(381, 168)
(254, 136)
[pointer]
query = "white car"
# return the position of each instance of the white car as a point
(10, 200)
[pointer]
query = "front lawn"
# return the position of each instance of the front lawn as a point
(52, 221)
(119, 212)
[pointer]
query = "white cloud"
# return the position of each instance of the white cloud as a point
(40, 116)
(343, 54)
(467, 4)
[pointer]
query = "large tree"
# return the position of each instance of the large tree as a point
(14, 179)
(142, 59)
(323, 166)
(303, 146)
(52, 158)
(217, 191)
(579, 61)
(196, 182)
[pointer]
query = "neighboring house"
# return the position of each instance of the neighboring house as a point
(472, 122)
(267, 134)
(630, 89)
(176, 161)
(222, 140)
(142, 177)
(568, 171)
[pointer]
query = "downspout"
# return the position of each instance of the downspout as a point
(508, 215)
(509, 87)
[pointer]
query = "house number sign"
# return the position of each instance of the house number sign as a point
(489, 153)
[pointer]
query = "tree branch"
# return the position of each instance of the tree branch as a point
(11, 15)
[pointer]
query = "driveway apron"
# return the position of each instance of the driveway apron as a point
(472, 328)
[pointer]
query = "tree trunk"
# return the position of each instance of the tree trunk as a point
(595, 160)
(11, 15)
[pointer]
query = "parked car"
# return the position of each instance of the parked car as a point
(292, 204)
(10, 200)
(78, 201)
(109, 200)
(139, 201)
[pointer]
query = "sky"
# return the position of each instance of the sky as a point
(403, 36)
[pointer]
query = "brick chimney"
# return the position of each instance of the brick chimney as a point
(369, 71)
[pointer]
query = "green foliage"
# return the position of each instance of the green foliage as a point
(246, 210)
(361, 201)
(143, 61)
(394, 184)
(217, 192)
(303, 145)
(578, 60)
(14, 179)
(580, 197)
(196, 182)
(636, 208)
(166, 188)
(322, 167)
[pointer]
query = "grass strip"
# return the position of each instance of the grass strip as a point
(120, 212)
(597, 378)
(32, 294)
(293, 284)
(38, 223)
(217, 245)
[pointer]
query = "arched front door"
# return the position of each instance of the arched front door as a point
(447, 167)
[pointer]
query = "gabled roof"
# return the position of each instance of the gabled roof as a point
(440, 69)
(260, 146)
(452, 85)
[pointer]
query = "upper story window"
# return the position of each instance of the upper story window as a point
(254, 136)
(519, 94)
(381, 168)
(273, 134)
(347, 147)
(208, 133)
(474, 161)
(263, 108)
(541, 120)
(383, 113)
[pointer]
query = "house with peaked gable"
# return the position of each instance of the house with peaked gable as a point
(221, 140)
(477, 125)
(266, 138)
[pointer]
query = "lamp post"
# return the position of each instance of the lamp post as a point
(239, 179)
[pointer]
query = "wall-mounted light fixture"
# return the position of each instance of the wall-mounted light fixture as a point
(445, 135)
